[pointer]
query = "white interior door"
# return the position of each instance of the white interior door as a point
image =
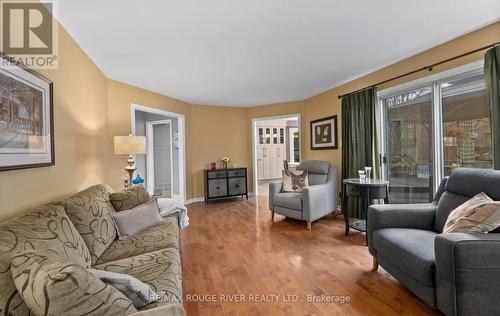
(160, 175)
(163, 170)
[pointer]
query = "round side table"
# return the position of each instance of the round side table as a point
(366, 190)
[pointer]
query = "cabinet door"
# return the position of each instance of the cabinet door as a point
(237, 186)
(260, 162)
(217, 187)
(275, 135)
(280, 156)
(282, 136)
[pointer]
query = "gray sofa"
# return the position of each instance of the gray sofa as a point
(456, 273)
(315, 201)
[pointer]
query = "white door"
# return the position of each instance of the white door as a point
(162, 160)
(159, 167)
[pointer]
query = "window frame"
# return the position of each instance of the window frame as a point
(434, 81)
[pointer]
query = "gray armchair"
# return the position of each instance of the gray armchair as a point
(315, 201)
(456, 273)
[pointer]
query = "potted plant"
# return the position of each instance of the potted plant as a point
(224, 161)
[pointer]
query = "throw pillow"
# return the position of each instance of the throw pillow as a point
(90, 211)
(52, 285)
(138, 292)
(129, 198)
(131, 222)
(480, 214)
(294, 181)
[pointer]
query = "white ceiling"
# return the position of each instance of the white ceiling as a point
(246, 53)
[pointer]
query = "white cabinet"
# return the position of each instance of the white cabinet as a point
(271, 151)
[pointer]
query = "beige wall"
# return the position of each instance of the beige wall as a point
(80, 120)
(216, 132)
(327, 103)
(120, 98)
(89, 109)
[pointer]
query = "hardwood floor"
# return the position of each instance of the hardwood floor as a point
(232, 251)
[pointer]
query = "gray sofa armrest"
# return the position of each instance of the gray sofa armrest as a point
(319, 200)
(467, 273)
(415, 216)
(274, 189)
(170, 309)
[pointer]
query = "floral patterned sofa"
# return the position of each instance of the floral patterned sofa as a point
(81, 229)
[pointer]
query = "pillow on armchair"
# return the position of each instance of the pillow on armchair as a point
(480, 214)
(294, 181)
(53, 285)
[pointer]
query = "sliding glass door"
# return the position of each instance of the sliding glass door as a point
(431, 127)
(409, 141)
(466, 124)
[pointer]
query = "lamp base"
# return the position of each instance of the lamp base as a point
(130, 168)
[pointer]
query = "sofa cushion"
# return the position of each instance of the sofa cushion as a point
(318, 170)
(129, 198)
(53, 285)
(289, 200)
(42, 228)
(411, 250)
(159, 269)
(469, 182)
(447, 203)
(131, 222)
(135, 290)
(90, 210)
(315, 166)
(155, 238)
(315, 178)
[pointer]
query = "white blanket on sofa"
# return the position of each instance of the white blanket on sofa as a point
(171, 206)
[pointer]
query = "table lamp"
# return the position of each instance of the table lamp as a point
(130, 145)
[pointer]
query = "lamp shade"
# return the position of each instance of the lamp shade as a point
(130, 145)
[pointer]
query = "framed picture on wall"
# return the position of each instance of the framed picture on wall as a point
(26, 118)
(324, 133)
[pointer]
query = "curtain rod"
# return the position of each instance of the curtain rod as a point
(429, 67)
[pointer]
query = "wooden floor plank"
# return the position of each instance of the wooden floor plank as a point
(232, 248)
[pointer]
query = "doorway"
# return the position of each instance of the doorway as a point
(160, 158)
(274, 140)
(163, 167)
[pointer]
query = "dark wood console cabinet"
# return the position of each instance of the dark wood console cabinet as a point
(225, 183)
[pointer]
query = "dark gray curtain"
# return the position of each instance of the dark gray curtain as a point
(492, 77)
(359, 139)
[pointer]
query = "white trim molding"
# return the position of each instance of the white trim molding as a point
(181, 126)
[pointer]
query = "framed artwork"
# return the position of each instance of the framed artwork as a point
(324, 133)
(26, 118)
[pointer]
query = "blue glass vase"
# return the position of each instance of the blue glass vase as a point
(138, 180)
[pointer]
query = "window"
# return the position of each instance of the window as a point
(466, 124)
(409, 140)
(431, 126)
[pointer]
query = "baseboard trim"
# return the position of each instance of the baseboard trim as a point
(202, 198)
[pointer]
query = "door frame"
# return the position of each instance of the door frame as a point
(181, 126)
(150, 156)
(290, 140)
(254, 131)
